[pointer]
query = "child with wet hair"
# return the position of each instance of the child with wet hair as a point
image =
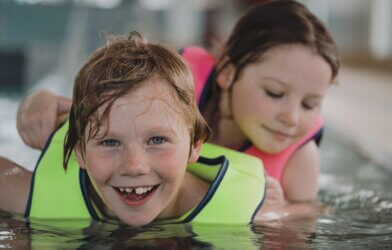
(262, 96)
(130, 144)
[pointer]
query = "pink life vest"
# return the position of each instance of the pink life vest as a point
(202, 65)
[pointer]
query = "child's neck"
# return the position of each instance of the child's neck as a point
(190, 194)
(228, 134)
(225, 131)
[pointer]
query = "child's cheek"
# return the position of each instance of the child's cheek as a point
(101, 164)
(308, 123)
(171, 163)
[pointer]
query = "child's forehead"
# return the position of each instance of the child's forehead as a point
(150, 107)
(152, 96)
(151, 89)
(290, 61)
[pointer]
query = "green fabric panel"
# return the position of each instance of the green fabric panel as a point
(205, 172)
(240, 192)
(57, 192)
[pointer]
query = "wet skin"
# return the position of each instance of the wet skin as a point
(139, 165)
(276, 101)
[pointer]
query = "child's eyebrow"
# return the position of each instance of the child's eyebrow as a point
(315, 96)
(162, 129)
(273, 79)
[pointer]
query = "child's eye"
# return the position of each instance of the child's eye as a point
(110, 143)
(274, 94)
(157, 140)
(309, 106)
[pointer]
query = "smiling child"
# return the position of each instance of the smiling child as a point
(130, 147)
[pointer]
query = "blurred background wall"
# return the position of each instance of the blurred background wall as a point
(46, 41)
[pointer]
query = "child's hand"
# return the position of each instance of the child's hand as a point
(274, 194)
(39, 115)
(274, 206)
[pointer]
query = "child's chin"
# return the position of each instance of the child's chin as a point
(138, 223)
(275, 149)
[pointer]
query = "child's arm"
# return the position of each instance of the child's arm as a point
(14, 186)
(38, 116)
(289, 211)
(300, 177)
(299, 186)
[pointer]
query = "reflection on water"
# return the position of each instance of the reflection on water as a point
(355, 190)
(15, 233)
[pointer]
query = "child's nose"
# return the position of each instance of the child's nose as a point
(134, 162)
(289, 115)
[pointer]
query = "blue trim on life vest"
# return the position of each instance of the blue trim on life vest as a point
(206, 92)
(85, 182)
(28, 206)
(222, 160)
(318, 136)
(262, 200)
(247, 144)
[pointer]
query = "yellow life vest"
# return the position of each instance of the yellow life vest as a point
(237, 186)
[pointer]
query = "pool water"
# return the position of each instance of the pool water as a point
(355, 191)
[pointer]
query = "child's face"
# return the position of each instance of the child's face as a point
(275, 102)
(138, 167)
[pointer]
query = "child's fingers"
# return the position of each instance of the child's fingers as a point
(272, 182)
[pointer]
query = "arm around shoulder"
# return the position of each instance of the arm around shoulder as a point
(39, 114)
(14, 186)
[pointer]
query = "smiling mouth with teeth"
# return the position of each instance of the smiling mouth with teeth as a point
(136, 196)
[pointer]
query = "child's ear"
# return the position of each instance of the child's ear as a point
(79, 156)
(195, 151)
(226, 77)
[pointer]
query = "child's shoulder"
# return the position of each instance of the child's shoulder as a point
(241, 161)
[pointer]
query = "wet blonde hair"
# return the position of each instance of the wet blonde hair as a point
(117, 69)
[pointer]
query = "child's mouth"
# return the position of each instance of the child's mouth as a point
(136, 196)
